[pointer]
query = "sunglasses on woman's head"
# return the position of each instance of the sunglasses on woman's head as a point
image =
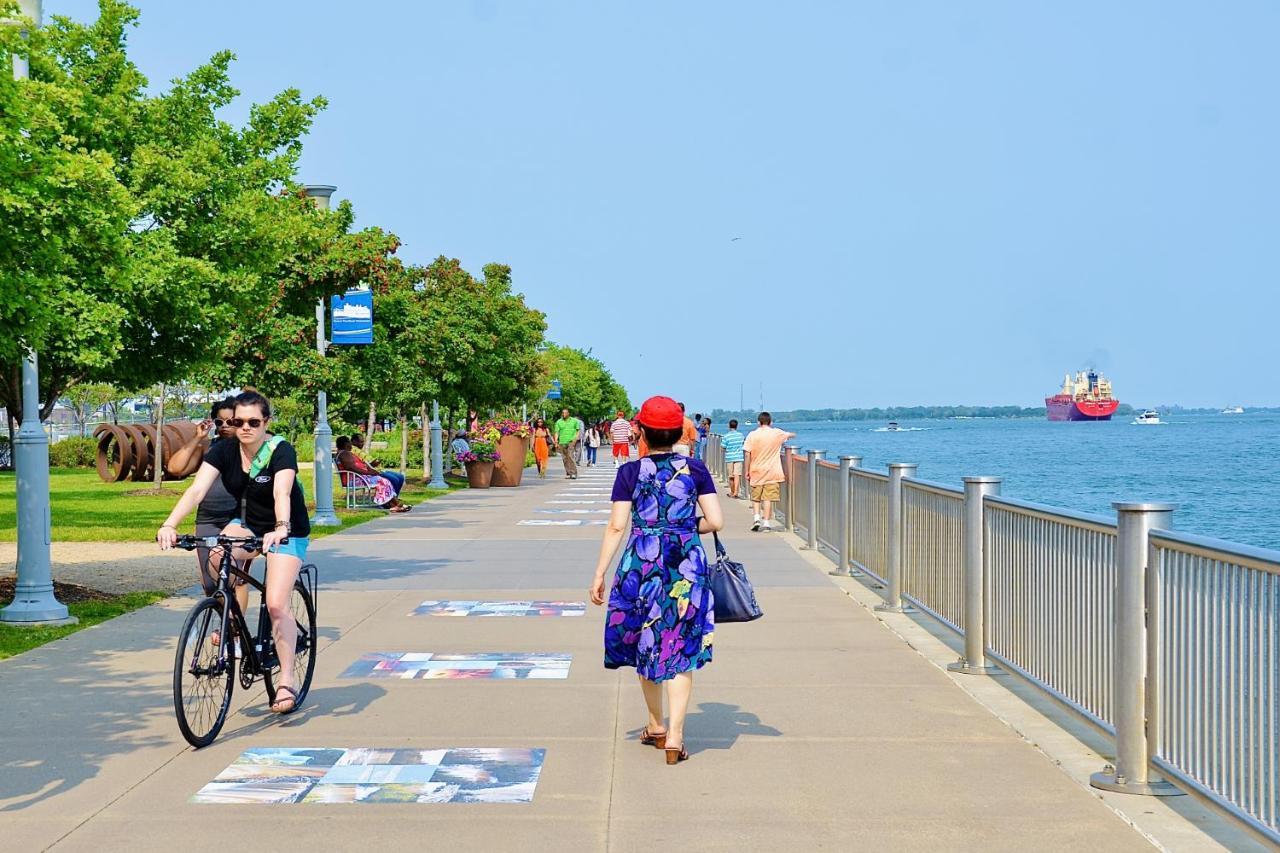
(251, 422)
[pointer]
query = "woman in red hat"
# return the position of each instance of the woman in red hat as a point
(661, 614)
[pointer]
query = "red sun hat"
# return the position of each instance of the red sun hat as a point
(661, 413)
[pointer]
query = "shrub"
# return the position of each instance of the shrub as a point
(74, 452)
(390, 457)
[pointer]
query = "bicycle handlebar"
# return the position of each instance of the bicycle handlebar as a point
(188, 542)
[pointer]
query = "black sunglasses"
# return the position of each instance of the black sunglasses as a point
(252, 422)
(221, 422)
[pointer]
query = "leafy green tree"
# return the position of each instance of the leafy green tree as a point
(86, 399)
(161, 234)
(587, 387)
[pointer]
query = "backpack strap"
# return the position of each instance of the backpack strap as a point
(263, 457)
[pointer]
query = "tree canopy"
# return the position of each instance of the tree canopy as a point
(148, 240)
(587, 387)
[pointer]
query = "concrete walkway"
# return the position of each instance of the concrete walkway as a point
(814, 728)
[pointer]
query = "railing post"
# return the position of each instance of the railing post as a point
(811, 541)
(789, 469)
(893, 559)
(976, 592)
(843, 564)
(1132, 771)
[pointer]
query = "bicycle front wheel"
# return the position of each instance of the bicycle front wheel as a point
(203, 675)
(304, 654)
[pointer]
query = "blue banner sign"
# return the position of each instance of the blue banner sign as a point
(554, 393)
(353, 317)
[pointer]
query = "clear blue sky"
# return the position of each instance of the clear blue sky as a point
(938, 202)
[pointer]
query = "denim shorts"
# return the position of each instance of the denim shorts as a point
(295, 547)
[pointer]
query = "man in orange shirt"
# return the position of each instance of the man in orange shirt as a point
(763, 451)
(688, 436)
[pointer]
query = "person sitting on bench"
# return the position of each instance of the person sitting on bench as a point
(384, 491)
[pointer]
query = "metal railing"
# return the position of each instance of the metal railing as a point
(1215, 645)
(869, 524)
(798, 498)
(1051, 574)
(1169, 643)
(931, 549)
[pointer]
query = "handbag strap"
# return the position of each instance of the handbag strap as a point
(720, 552)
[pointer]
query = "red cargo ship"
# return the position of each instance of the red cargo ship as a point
(1086, 397)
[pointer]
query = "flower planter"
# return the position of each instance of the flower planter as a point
(479, 474)
(509, 468)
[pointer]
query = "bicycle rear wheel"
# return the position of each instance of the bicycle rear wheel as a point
(304, 656)
(203, 678)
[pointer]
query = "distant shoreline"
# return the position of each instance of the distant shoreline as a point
(907, 413)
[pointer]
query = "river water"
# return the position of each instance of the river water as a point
(1223, 471)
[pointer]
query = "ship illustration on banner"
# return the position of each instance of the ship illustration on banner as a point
(1084, 397)
(353, 317)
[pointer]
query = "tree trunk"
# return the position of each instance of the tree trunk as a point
(373, 411)
(404, 444)
(158, 462)
(426, 447)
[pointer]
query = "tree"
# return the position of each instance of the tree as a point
(155, 226)
(587, 387)
(87, 399)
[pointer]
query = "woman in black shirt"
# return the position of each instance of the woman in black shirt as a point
(261, 473)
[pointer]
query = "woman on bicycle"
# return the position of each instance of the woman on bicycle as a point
(217, 508)
(261, 473)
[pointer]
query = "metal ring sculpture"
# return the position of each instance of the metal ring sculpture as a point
(127, 451)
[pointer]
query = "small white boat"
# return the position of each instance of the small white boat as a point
(1150, 416)
(893, 426)
(1233, 410)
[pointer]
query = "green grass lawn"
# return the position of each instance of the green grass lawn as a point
(85, 509)
(15, 640)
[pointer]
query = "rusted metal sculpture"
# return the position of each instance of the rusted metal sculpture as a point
(127, 451)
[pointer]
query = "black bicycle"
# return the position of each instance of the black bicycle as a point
(216, 634)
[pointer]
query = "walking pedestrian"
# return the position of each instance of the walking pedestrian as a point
(541, 446)
(661, 616)
(592, 443)
(704, 429)
(688, 435)
(567, 433)
(763, 451)
(732, 442)
(620, 431)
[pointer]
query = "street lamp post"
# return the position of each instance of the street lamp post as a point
(325, 516)
(33, 601)
(437, 450)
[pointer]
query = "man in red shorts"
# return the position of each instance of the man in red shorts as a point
(620, 431)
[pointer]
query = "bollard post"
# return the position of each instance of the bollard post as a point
(811, 488)
(844, 565)
(1131, 773)
(789, 471)
(893, 559)
(974, 570)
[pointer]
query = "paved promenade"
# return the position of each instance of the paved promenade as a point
(816, 728)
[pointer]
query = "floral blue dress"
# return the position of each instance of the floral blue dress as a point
(661, 615)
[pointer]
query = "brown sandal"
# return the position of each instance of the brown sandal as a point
(657, 740)
(677, 754)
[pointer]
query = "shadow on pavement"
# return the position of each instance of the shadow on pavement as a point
(718, 725)
(72, 705)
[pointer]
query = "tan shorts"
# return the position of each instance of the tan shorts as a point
(735, 469)
(767, 492)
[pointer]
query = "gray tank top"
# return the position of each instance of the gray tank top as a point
(219, 506)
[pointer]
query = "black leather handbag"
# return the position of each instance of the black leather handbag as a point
(735, 599)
